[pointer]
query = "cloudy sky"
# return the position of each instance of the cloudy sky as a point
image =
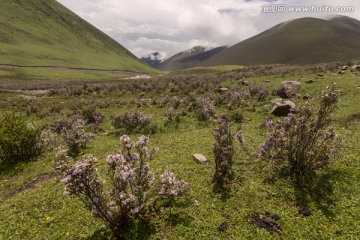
(171, 26)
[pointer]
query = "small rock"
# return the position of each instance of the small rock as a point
(223, 89)
(244, 82)
(199, 158)
(341, 72)
(222, 227)
(283, 108)
(305, 211)
(307, 97)
(355, 68)
(320, 74)
(277, 101)
(344, 68)
(310, 81)
(288, 89)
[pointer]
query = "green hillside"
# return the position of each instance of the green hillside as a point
(189, 58)
(300, 41)
(45, 33)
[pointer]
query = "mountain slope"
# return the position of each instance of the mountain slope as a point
(153, 60)
(189, 58)
(300, 41)
(45, 33)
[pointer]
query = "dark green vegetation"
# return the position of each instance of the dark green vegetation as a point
(18, 141)
(32, 205)
(45, 33)
(300, 41)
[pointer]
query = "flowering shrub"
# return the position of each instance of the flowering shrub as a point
(259, 91)
(172, 114)
(131, 122)
(223, 150)
(73, 131)
(204, 108)
(93, 117)
(170, 187)
(131, 181)
(303, 141)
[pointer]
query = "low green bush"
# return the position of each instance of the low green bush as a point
(19, 141)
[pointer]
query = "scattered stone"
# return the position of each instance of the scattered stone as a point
(310, 81)
(341, 72)
(344, 68)
(307, 97)
(305, 211)
(244, 82)
(222, 227)
(199, 158)
(282, 108)
(320, 74)
(355, 68)
(288, 89)
(223, 89)
(277, 101)
(268, 222)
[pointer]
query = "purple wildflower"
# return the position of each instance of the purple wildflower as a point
(240, 137)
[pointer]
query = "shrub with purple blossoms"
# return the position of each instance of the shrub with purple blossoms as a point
(131, 181)
(131, 121)
(74, 133)
(303, 141)
(172, 114)
(223, 150)
(204, 108)
(170, 187)
(93, 117)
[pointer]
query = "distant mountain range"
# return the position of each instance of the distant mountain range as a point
(153, 60)
(300, 41)
(45, 33)
(185, 59)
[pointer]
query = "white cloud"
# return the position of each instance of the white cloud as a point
(171, 26)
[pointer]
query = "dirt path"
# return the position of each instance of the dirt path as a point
(8, 193)
(69, 68)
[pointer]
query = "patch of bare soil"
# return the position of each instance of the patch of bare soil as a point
(266, 221)
(8, 193)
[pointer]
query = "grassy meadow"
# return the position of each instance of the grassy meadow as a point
(45, 33)
(32, 204)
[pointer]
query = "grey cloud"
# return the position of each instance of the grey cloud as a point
(172, 26)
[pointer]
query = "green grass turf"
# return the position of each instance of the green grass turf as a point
(42, 212)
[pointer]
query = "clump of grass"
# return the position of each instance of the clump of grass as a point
(19, 141)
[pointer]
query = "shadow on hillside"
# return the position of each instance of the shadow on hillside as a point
(317, 189)
(223, 190)
(140, 229)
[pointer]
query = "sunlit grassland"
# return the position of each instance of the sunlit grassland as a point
(42, 211)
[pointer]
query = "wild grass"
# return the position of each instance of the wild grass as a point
(57, 37)
(32, 205)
